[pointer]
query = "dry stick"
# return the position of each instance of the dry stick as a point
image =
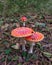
(47, 45)
(37, 62)
(2, 55)
(9, 63)
(50, 63)
(6, 60)
(45, 57)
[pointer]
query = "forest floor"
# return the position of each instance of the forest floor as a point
(11, 56)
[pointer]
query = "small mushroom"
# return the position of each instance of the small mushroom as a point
(35, 37)
(22, 32)
(23, 19)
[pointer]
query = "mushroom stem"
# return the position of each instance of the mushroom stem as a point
(31, 48)
(23, 23)
(23, 46)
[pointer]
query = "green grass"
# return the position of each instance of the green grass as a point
(21, 6)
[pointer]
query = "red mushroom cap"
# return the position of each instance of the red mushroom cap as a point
(23, 19)
(22, 32)
(35, 37)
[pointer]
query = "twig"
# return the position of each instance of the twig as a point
(2, 55)
(46, 57)
(6, 60)
(47, 45)
(9, 63)
(37, 62)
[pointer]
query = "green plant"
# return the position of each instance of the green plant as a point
(7, 51)
(1, 7)
(10, 7)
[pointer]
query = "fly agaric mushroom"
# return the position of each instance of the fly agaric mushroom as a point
(35, 37)
(22, 32)
(23, 19)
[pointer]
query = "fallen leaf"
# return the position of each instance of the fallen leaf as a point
(15, 46)
(40, 24)
(47, 54)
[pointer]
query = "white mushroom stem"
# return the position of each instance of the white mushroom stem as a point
(23, 46)
(31, 48)
(23, 23)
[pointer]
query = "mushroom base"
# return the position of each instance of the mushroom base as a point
(31, 48)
